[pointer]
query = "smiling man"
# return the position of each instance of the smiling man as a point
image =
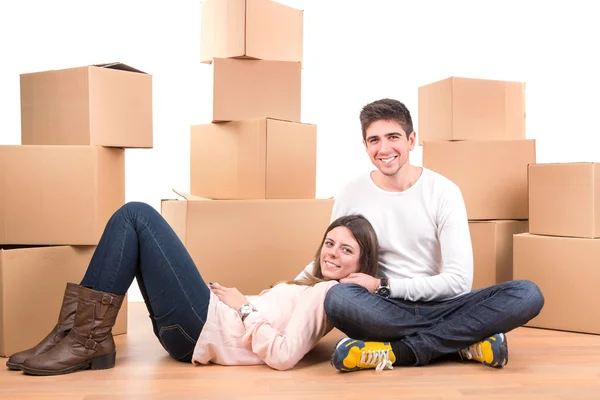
(422, 306)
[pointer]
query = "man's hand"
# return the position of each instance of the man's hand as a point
(230, 296)
(364, 280)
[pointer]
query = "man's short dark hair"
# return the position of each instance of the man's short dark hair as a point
(387, 110)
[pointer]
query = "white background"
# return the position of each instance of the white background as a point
(354, 52)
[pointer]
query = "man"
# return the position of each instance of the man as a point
(423, 307)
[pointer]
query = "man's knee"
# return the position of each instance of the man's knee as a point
(536, 297)
(340, 297)
(332, 300)
(532, 297)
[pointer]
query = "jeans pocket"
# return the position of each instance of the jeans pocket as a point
(177, 342)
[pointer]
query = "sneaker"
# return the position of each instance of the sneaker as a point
(353, 355)
(492, 351)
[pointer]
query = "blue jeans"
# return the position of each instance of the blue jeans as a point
(436, 328)
(138, 243)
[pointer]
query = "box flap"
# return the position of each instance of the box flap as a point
(189, 196)
(286, 120)
(119, 66)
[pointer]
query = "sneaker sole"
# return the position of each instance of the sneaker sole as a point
(106, 361)
(503, 348)
(334, 350)
(338, 344)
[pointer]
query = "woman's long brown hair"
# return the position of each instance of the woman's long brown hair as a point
(363, 232)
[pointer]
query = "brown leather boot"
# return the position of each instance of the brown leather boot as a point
(66, 317)
(89, 344)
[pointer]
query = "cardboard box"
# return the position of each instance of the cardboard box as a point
(32, 286)
(55, 195)
(492, 175)
(254, 159)
(471, 109)
(250, 89)
(493, 250)
(259, 29)
(566, 271)
(249, 244)
(103, 105)
(564, 199)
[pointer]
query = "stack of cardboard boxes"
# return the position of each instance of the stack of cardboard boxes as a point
(473, 133)
(561, 252)
(252, 218)
(60, 187)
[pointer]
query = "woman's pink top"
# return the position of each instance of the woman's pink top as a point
(289, 322)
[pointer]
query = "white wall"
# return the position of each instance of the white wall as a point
(354, 54)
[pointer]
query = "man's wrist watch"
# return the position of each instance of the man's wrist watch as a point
(246, 310)
(384, 288)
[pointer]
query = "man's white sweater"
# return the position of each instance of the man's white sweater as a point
(423, 233)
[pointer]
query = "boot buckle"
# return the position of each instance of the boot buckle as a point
(91, 344)
(107, 299)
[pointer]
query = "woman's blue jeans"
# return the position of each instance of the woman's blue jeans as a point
(138, 243)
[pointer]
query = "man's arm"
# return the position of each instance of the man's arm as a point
(456, 276)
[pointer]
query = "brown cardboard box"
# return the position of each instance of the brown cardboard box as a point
(104, 105)
(250, 89)
(492, 175)
(249, 244)
(32, 285)
(471, 109)
(566, 271)
(253, 159)
(493, 250)
(564, 199)
(260, 29)
(55, 195)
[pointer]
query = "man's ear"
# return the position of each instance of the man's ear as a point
(412, 140)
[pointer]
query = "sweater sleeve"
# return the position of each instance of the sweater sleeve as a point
(282, 350)
(456, 277)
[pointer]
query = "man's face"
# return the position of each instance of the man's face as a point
(388, 147)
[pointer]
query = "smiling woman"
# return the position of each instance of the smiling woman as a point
(339, 254)
(349, 245)
(194, 323)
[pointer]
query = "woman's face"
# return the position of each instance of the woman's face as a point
(339, 254)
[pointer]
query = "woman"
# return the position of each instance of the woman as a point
(193, 321)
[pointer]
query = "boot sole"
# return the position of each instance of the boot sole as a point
(13, 366)
(102, 362)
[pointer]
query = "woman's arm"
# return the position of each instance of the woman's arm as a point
(307, 324)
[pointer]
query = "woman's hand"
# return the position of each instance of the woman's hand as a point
(230, 296)
(367, 281)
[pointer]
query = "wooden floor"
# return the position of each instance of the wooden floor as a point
(543, 365)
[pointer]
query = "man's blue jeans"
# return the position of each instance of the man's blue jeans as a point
(433, 329)
(138, 243)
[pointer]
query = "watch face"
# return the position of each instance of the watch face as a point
(384, 292)
(246, 309)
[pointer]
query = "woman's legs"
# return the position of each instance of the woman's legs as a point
(139, 243)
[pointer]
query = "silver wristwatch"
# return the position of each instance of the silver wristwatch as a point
(384, 288)
(246, 310)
